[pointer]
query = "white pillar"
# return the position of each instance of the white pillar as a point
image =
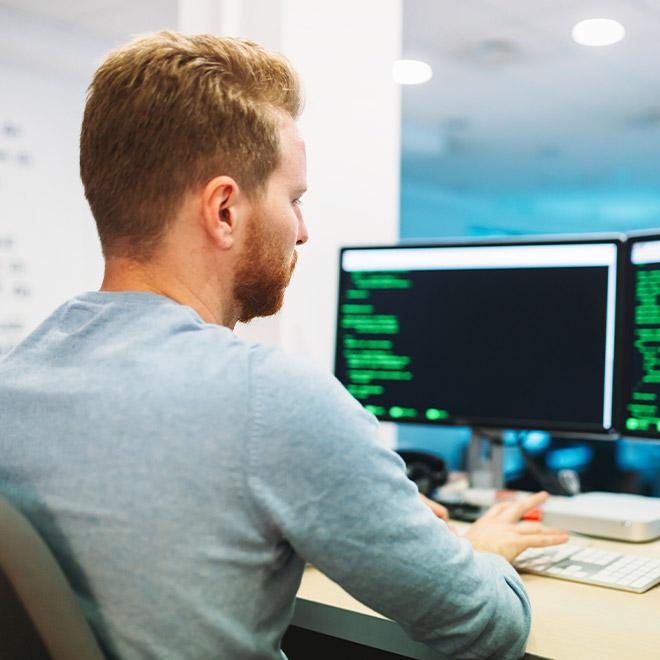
(343, 51)
(199, 16)
(259, 20)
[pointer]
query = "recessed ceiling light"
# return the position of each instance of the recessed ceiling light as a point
(598, 32)
(411, 72)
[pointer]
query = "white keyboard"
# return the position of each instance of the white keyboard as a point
(582, 563)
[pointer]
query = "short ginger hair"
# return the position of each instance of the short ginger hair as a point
(164, 115)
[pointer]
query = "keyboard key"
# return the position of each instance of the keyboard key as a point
(584, 555)
(639, 583)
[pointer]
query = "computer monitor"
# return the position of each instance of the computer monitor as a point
(495, 334)
(641, 355)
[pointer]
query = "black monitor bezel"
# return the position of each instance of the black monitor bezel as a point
(618, 239)
(628, 329)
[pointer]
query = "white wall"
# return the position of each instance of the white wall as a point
(48, 245)
(344, 53)
(49, 250)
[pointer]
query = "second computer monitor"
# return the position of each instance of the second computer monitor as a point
(641, 394)
(495, 335)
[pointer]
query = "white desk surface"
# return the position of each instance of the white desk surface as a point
(570, 621)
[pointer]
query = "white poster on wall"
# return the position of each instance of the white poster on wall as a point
(49, 251)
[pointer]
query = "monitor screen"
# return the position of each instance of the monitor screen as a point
(642, 339)
(497, 335)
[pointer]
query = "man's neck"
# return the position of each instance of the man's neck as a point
(122, 274)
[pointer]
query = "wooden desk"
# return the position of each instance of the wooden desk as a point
(570, 621)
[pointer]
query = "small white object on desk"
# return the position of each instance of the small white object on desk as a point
(616, 516)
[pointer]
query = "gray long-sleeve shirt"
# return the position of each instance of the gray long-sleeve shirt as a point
(182, 476)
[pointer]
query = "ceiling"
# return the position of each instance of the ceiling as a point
(514, 104)
(109, 20)
(69, 39)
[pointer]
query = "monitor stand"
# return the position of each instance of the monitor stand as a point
(486, 459)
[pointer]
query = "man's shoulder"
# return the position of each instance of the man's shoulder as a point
(291, 393)
(271, 367)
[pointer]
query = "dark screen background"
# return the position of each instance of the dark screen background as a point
(495, 344)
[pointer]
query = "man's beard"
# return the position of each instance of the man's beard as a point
(262, 274)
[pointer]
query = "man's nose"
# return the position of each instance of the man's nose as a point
(303, 235)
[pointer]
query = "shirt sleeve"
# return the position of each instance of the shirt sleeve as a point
(318, 474)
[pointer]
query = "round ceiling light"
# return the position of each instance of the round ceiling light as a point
(598, 32)
(411, 72)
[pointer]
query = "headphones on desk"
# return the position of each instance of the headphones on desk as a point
(427, 471)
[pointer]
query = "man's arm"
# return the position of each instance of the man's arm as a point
(343, 502)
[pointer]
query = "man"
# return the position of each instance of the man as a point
(181, 475)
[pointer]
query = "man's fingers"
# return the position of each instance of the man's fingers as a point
(495, 511)
(542, 540)
(454, 530)
(513, 511)
(520, 507)
(529, 527)
(538, 528)
(437, 509)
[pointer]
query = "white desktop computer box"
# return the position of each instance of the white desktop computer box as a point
(608, 515)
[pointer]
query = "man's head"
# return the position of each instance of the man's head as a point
(174, 123)
(267, 256)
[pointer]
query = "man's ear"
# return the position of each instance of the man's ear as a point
(221, 210)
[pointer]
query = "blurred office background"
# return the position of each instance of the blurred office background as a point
(520, 130)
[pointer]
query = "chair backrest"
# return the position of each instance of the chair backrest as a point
(39, 615)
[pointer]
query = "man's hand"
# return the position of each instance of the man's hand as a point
(500, 531)
(437, 509)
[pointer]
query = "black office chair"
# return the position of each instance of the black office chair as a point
(39, 616)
